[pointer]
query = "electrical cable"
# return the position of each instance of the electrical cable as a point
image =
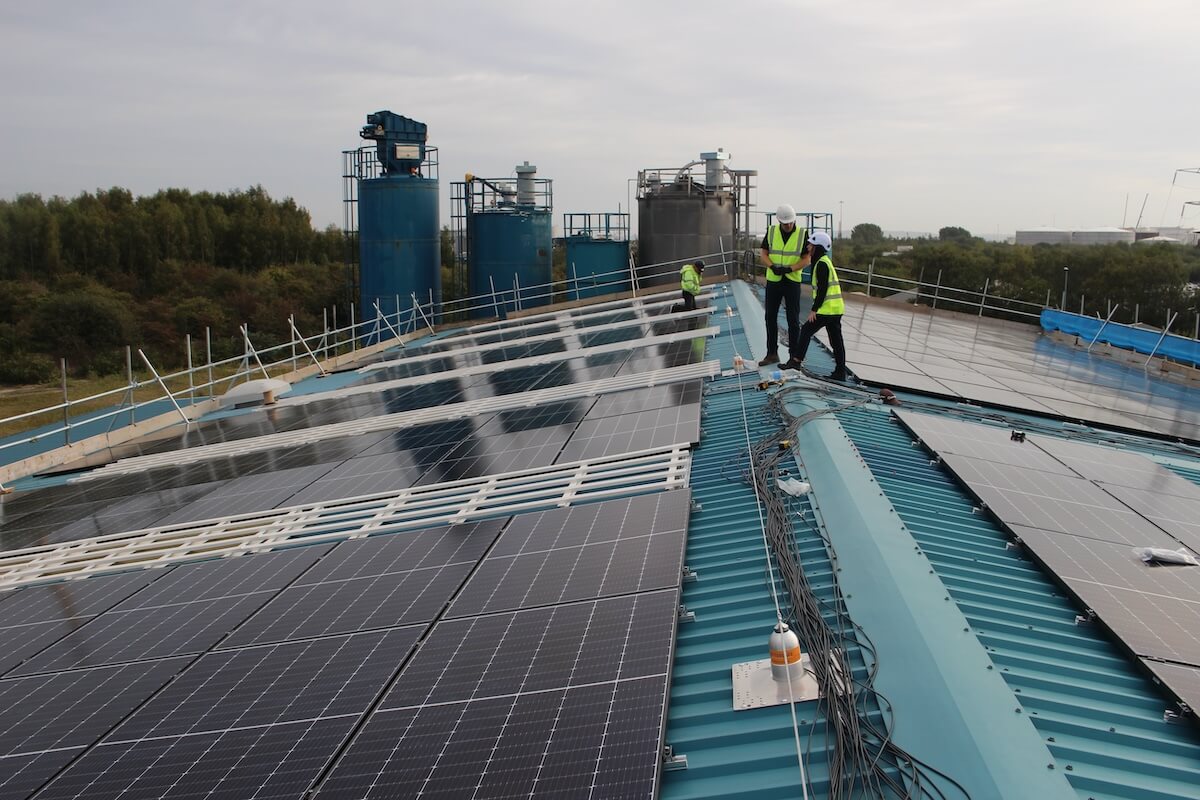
(774, 595)
(863, 759)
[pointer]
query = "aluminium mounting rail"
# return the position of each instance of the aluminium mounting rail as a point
(499, 366)
(487, 496)
(407, 419)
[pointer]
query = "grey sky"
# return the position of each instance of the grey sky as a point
(989, 115)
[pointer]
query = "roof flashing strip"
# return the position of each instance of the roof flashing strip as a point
(408, 419)
(466, 500)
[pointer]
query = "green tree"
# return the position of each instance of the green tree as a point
(955, 235)
(866, 233)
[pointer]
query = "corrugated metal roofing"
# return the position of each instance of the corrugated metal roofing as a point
(1102, 720)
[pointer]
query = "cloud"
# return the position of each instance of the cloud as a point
(989, 115)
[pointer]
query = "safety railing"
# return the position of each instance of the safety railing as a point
(206, 377)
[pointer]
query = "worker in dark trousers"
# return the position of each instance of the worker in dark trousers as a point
(690, 276)
(782, 254)
(827, 308)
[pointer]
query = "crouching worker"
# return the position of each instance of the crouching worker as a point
(827, 307)
(690, 276)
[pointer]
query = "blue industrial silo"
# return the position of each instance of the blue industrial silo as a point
(392, 205)
(509, 241)
(597, 254)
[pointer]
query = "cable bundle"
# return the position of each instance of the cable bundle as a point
(864, 760)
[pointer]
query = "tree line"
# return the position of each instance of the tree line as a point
(1143, 281)
(82, 278)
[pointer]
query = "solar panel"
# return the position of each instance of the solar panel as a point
(357, 604)
(21, 775)
(248, 493)
(635, 400)
(592, 553)
(627, 433)
(145, 633)
(589, 741)
(76, 708)
(71, 599)
(430, 547)
(34, 618)
(276, 761)
(1178, 516)
(549, 415)
(1118, 467)
(376, 582)
(207, 580)
(661, 512)
(1055, 503)
(494, 455)
(271, 684)
(984, 442)
(1183, 680)
(535, 650)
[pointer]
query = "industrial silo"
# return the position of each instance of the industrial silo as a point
(684, 215)
(505, 236)
(597, 250)
(392, 207)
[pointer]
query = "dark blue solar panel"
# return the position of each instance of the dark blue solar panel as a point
(592, 741)
(276, 761)
(76, 708)
(272, 684)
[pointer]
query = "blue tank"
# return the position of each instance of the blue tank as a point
(399, 245)
(596, 266)
(507, 243)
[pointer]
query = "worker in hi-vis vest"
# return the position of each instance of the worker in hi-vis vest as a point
(690, 276)
(827, 307)
(782, 254)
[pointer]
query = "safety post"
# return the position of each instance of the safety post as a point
(1157, 344)
(983, 298)
(62, 362)
(170, 396)
(1111, 310)
(296, 333)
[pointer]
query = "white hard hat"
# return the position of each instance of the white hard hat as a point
(821, 239)
(785, 214)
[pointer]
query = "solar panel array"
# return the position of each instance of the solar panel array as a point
(1012, 366)
(277, 674)
(382, 461)
(1083, 510)
(516, 656)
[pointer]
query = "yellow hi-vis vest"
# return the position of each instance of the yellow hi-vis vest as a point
(689, 279)
(832, 305)
(785, 255)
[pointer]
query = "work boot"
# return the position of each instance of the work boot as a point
(793, 363)
(838, 375)
(771, 358)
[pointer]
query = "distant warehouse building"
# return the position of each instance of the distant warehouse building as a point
(1044, 235)
(1085, 236)
(1103, 236)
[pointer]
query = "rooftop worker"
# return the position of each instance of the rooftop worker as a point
(782, 253)
(827, 307)
(690, 276)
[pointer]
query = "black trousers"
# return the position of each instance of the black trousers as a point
(832, 323)
(689, 301)
(787, 292)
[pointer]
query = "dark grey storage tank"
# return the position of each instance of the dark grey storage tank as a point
(683, 216)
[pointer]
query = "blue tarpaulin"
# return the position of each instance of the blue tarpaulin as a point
(1127, 337)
